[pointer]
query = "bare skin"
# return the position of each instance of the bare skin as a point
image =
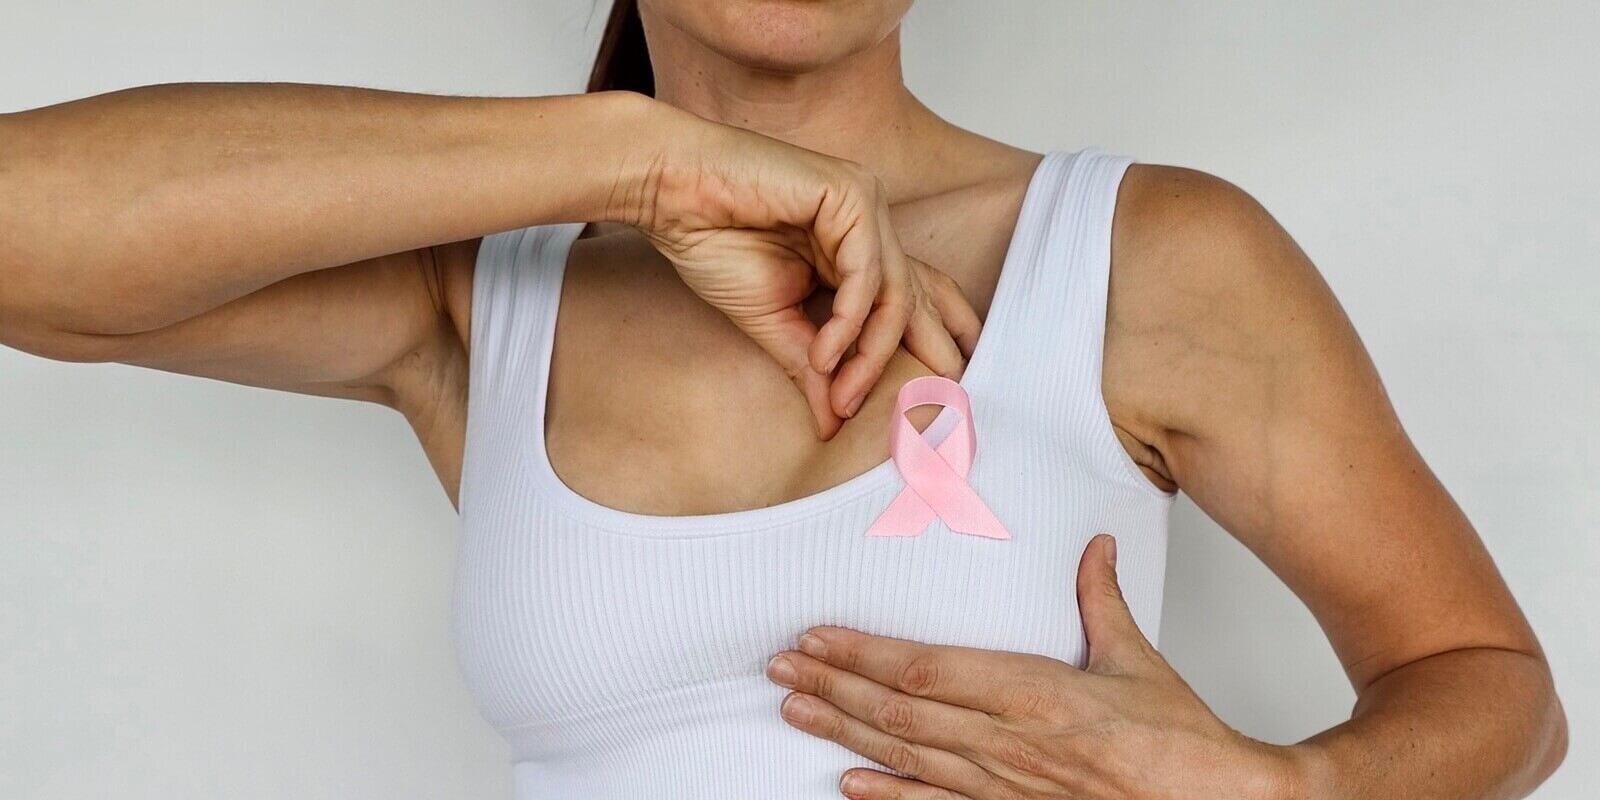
(1230, 371)
(613, 440)
(220, 212)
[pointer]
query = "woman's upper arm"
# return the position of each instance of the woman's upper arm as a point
(1229, 356)
(370, 330)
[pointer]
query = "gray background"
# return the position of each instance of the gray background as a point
(208, 590)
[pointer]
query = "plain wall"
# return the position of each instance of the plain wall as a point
(213, 591)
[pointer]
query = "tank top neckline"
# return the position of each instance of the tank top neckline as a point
(1021, 253)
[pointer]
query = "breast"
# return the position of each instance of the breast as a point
(621, 653)
(581, 628)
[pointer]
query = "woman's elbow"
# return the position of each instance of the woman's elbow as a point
(1546, 732)
(19, 332)
(1555, 740)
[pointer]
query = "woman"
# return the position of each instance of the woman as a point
(665, 587)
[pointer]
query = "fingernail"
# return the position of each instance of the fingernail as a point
(1111, 551)
(813, 646)
(797, 709)
(781, 671)
(852, 784)
(855, 405)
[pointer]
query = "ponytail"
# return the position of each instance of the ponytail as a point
(624, 59)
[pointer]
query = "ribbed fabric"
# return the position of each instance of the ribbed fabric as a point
(622, 655)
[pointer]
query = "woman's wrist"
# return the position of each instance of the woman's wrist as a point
(635, 135)
(592, 156)
(1276, 772)
(1300, 772)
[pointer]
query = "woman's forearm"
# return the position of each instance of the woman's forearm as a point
(130, 212)
(1477, 723)
(138, 208)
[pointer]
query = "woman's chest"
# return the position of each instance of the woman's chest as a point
(565, 605)
(563, 608)
(658, 404)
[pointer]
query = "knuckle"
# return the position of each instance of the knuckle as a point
(915, 293)
(1017, 755)
(896, 716)
(845, 656)
(1003, 790)
(1031, 698)
(832, 725)
(920, 676)
(821, 684)
(905, 757)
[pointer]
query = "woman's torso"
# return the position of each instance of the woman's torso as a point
(614, 627)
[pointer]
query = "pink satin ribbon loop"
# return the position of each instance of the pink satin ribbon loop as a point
(936, 478)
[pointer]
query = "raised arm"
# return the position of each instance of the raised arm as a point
(131, 211)
(318, 238)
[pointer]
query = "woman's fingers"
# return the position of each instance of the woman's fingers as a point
(928, 765)
(929, 335)
(846, 221)
(913, 719)
(870, 784)
(916, 306)
(785, 335)
(959, 317)
(814, 386)
(886, 325)
(830, 219)
(984, 680)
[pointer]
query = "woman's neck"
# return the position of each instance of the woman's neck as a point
(857, 109)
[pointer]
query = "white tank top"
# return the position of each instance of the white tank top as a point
(622, 655)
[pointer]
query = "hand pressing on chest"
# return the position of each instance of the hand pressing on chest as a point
(957, 722)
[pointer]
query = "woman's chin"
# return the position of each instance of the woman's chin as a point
(784, 36)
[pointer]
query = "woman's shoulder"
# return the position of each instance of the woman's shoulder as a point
(1207, 294)
(1155, 197)
(1187, 245)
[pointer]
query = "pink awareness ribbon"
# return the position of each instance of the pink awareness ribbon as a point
(936, 479)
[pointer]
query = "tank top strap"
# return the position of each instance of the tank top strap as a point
(516, 288)
(1050, 307)
(1060, 266)
(1074, 259)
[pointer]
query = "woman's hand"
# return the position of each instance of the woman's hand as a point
(965, 723)
(753, 225)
